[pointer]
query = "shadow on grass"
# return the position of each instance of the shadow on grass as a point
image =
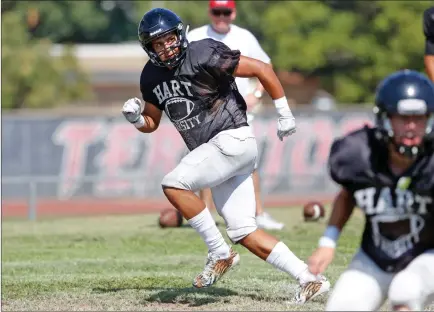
(186, 225)
(198, 297)
(172, 290)
(191, 296)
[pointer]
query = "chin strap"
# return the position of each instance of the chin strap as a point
(408, 151)
(386, 133)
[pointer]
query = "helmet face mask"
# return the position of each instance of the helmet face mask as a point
(165, 46)
(156, 25)
(405, 112)
(407, 132)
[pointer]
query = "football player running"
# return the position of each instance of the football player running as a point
(193, 83)
(222, 15)
(388, 172)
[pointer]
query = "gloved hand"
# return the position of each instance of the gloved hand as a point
(286, 121)
(132, 110)
(285, 126)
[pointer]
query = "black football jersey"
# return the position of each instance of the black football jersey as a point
(200, 95)
(399, 210)
(428, 29)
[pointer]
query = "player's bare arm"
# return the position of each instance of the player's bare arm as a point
(147, 121)
(259, 87)
(251, 68)
(259, 90)
(253, 98)
(152, 117)
(343, 207)
(429, 66)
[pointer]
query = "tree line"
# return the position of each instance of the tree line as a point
(350, 45)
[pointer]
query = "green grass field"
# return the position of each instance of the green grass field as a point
(129, 263)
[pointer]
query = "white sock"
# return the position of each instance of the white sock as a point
(284, 259)
(204, 224)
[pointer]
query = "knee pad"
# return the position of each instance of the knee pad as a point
(406, 289)
(238, 229)
(175, 180)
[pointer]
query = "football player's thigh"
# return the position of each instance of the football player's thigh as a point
(235, 202)
(423, 265)
(362, 287)
(203, 167)
(213, 163)
(230, 153)
(420, 270)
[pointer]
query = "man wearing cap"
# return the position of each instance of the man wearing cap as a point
(222, 13)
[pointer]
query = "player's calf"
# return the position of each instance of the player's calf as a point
(187, 202)
(199, 218)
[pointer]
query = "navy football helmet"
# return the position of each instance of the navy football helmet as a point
(405, 92)
(156, 23)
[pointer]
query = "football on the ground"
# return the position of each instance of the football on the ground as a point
(170, 217)
(313, 211)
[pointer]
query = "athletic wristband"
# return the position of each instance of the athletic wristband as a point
(139, 123)
(282, 107)
(326, 242)
(330, 237)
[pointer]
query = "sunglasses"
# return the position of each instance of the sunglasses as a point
(219, 12)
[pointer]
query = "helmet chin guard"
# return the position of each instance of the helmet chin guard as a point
(385, 132)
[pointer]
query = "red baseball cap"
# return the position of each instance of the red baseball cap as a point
(227, 4)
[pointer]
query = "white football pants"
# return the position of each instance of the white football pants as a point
(224, 164)
(365, 287)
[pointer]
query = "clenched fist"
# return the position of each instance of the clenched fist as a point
(132, 109)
